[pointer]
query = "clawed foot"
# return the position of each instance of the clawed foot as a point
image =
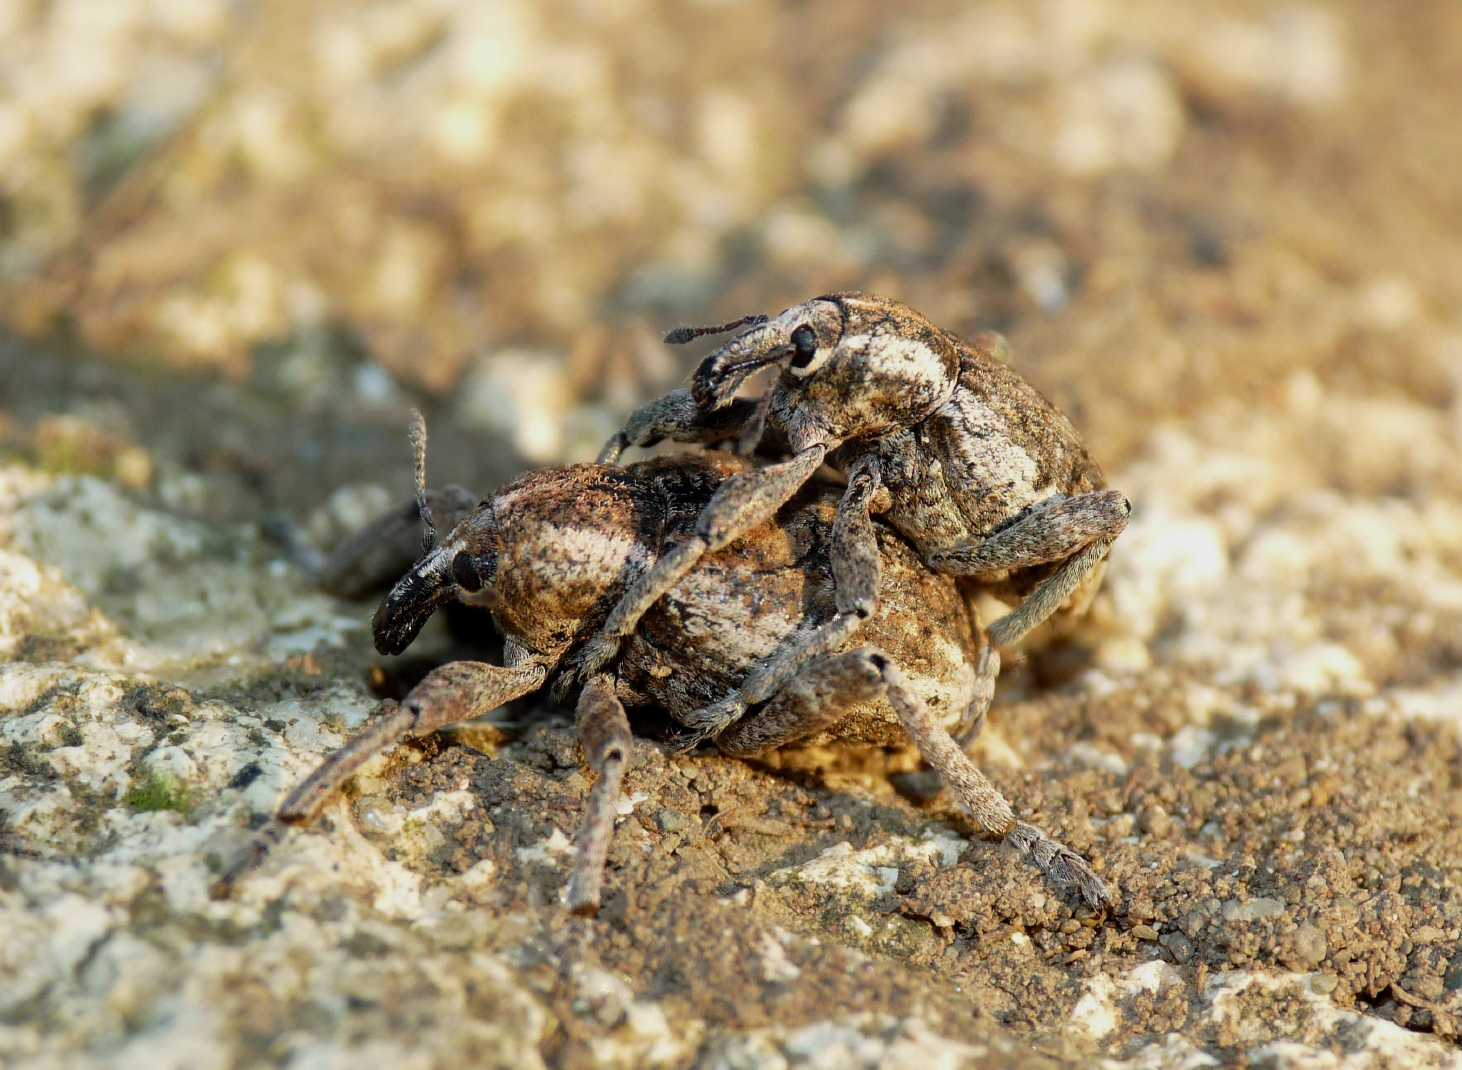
(685, 742)
(583, 664)
(708, 722)
(1062, 866)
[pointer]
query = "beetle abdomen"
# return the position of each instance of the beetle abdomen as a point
(740, 605)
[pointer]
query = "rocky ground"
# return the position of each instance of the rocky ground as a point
(237, 242)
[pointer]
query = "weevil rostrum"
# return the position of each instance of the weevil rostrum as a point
(936, 435)
(552, 553)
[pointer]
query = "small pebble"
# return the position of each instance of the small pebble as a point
(1178, 945)
(1310, 945)
(1154, 821)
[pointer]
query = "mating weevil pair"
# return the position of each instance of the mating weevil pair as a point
(731, 595)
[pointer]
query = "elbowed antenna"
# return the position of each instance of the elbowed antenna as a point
(681, 335)
(418, 449)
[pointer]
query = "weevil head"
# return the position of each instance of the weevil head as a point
(442, 571)
(792, 336)
(853, 366)
(547, 556)
(457, 568)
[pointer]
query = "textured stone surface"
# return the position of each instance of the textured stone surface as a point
(1222, 236)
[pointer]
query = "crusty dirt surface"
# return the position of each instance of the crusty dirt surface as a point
(238, 243)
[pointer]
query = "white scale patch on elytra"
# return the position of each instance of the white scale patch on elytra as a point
(720, 618)
(982, 441)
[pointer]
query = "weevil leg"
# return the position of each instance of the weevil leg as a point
(990, 810)
(831, 684)
(1077, 531)
(452, 693)
(677, 417)
(1053, 592)
(822, 692)
(924, 784)
(857, 571)
(836, 682)
(380, 552)
(604, 734)
(739, 504)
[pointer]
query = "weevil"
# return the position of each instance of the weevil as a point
(551, 553)
(938, 436)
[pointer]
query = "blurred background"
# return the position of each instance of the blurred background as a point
(341, 208)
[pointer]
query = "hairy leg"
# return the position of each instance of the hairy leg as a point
(822, 692)
(604, 735)
(455, 692)
(857, 571)
(1077, 531)
(677, 417)
(830, 685)
(1061, 865)
(923, 785)
(740, 504)
(750, 435)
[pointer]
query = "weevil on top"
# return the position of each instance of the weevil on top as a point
(936, 435)
(550, 555)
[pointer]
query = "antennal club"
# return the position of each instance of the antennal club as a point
(681, 335)
(418, 449)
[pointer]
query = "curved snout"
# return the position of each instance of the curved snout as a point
(721, 374)
(408, 607)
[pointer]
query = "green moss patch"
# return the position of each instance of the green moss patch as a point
(159, 791)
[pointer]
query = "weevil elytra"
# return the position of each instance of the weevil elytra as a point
(937, 435)
(551, 553)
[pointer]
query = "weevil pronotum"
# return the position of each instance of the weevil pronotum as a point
(553, 552)
(936, 435)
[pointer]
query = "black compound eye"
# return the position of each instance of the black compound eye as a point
(464, 571)
(804, 341)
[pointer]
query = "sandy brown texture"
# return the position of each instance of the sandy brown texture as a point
(237, 242)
